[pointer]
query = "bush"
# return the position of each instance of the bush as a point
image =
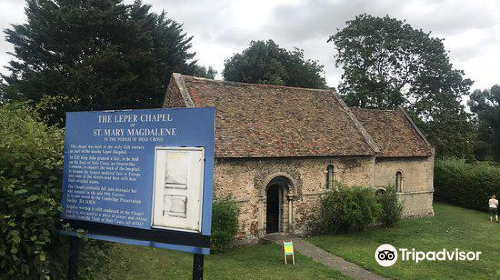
(224, 223)
(31, 160)
(391, 207)
(466, 184)
(52, 109)
(347, 208)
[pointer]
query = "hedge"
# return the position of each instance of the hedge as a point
(31, 159)
(31, 162)
(464, 184)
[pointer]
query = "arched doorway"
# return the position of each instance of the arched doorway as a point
(278, 191)
(274, 208)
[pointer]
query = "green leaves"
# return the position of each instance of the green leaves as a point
(486, 105)
(21, 191)
(464, 184)
(345, 208)
(96, 55)
(16, 239)
(267, 63)
(392, 207)
(30, 172)
(30, 245)
(388, 63)
(42, 257)
(224, 223)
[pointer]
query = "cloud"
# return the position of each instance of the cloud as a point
(11, 12)
(452, 16)
(317, 19)
(223, 27)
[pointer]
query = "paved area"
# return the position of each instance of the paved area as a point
(337, 263)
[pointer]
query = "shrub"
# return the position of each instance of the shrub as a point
(224, 223)
(391, 207)
(466, 184)
(52, 109)
(31, 159)
(347, 208)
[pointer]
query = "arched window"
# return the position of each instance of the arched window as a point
(379, 191)
(399, 181)
(329, 176)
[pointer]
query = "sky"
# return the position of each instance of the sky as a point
(221, 28)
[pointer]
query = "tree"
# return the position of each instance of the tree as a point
(202, 71)
(486, 106)
(388, 63)
(267, 63)
(103, 53)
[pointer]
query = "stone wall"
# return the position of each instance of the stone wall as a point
(246, 181)
(417, 183)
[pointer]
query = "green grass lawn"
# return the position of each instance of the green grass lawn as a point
(451, 228)
(255, 262)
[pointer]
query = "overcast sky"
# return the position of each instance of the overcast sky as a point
(471, 28)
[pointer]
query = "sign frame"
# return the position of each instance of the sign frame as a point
(174, 239)
(161, 148)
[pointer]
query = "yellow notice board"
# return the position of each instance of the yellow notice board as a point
(288, 251)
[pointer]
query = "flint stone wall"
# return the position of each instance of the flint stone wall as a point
(246, 180)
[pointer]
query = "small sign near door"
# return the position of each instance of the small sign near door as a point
(288, 251)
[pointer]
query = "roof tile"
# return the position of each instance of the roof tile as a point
(273, 121)
(393, 132)
(276, 121)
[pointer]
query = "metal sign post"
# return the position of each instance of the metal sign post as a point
(74, 253)
(198, 267)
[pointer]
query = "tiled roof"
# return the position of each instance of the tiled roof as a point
(393, 132)
(273, 121)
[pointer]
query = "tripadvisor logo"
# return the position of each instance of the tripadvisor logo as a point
(387, 255)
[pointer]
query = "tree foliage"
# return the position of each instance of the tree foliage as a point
(30, 191)
(486, 105)
(264, 62)
(105, 54)
(204, 72)
(388, 63)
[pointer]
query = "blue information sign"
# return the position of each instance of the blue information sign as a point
(141, 177)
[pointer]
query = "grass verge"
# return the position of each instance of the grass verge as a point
(452, 227)
(128, 262)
